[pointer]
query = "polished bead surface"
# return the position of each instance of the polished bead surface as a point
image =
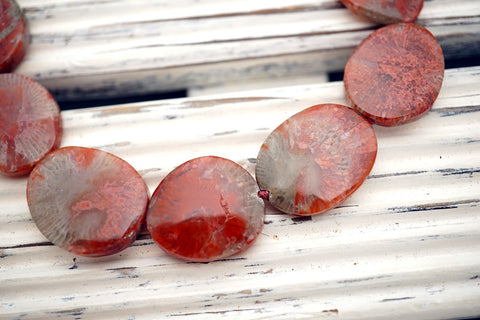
(206, 209)
(30, 124)
(395, 74)
(386, 11)
(87, 201)
(13, 35)
(315, 159)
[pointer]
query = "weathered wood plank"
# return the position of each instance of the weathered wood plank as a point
(405, 245)
(85, 49)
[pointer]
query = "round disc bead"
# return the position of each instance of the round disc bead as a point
(206, 209)
(30, 124)
(395, 74)
(386, 11)
(13, 35)
(315, 159)
(87, 201)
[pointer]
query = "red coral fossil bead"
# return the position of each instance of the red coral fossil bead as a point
(206, 209)
(14, 35)
(395, 74)
(87, 201)
(30, 124)
(316, 159)
(386, 11)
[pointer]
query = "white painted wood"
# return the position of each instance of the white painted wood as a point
(98, 48)
(257, 84)
(406, 245)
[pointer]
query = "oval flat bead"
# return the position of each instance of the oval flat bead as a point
(13, 35)
(87, 201)
(316, 159)
(206, 209)
(30, 124)
(386, 11)
(395, 74)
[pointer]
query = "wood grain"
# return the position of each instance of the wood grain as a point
(405, 245)
(102, 48)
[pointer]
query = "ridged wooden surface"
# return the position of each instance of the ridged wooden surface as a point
(98, 48)
(406, 245)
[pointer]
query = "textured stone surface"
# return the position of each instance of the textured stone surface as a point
(386, 11)
(395, 74)
(13, 35)
(315, 159)
(30, 124)
(206, 209)
(87, 201)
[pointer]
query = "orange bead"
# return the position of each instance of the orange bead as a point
(206, 209)
(395, 74)
(30, 124)
(316, 159)
(386, 11)
(87, 201)
(13, 35)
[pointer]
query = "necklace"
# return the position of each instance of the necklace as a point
(228, 234)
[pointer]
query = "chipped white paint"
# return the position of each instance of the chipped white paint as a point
(406, 245)
(96, 48)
